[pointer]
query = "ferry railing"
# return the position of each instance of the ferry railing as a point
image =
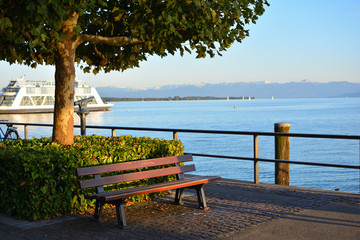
(255, 135)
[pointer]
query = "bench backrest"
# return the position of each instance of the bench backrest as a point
(140, 165)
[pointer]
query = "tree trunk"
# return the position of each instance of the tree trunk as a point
(63, 130)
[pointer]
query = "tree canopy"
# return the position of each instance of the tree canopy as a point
(117, 34)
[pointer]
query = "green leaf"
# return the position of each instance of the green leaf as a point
(102, 3)
(87, 70)
(43, 37)
(213, 15)
(115, 9)
(197, 3)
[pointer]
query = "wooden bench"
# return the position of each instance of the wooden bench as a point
(117, 197)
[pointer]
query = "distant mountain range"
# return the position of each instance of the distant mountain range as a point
(259, 90)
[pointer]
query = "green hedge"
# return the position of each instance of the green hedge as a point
(38, 178)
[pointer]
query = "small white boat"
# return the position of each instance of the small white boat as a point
(28, 96)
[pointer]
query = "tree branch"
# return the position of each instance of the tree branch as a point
(103, 58)
(114, 41)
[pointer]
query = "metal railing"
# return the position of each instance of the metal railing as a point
(255, 135)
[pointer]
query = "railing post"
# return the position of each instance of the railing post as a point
(175, 135)
(83, 124)
(26, 132)
(256, 162)
(282, 152)
(113, 132)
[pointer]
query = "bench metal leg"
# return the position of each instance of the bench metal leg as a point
(98, 210)
(201, 197)
(120, 213)
(178, 196)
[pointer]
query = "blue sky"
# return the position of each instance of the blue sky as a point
(316, 40)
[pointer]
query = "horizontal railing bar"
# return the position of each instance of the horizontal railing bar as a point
(231, 132)
(275, 160)
(305, 135)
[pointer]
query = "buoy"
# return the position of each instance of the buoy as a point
(234, 106)
(127, 110)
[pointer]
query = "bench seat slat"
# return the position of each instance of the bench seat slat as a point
(124, 166)
(125, 193)
(97, 182)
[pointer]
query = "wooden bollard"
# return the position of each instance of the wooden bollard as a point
(175, 135)
(282, 152)
(26, 132)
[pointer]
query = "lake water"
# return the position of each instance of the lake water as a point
(320, 116)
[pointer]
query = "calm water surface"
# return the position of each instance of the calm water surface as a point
(322, 116)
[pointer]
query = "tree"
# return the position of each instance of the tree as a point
(114, 35)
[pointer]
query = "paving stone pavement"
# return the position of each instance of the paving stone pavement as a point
(234, 206)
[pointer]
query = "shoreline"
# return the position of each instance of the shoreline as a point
(176, 98)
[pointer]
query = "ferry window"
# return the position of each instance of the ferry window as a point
(38, 100)
(26, 101)
(49, 100)
(87, 90)
(30, 90)
(11, 90)
(6, 100)
(47, 90)
(82, 90)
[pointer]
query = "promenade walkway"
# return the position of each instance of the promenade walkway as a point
(238, 210)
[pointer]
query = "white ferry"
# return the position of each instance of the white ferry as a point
(28, 96)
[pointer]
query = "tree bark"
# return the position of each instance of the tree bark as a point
(63, 130)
